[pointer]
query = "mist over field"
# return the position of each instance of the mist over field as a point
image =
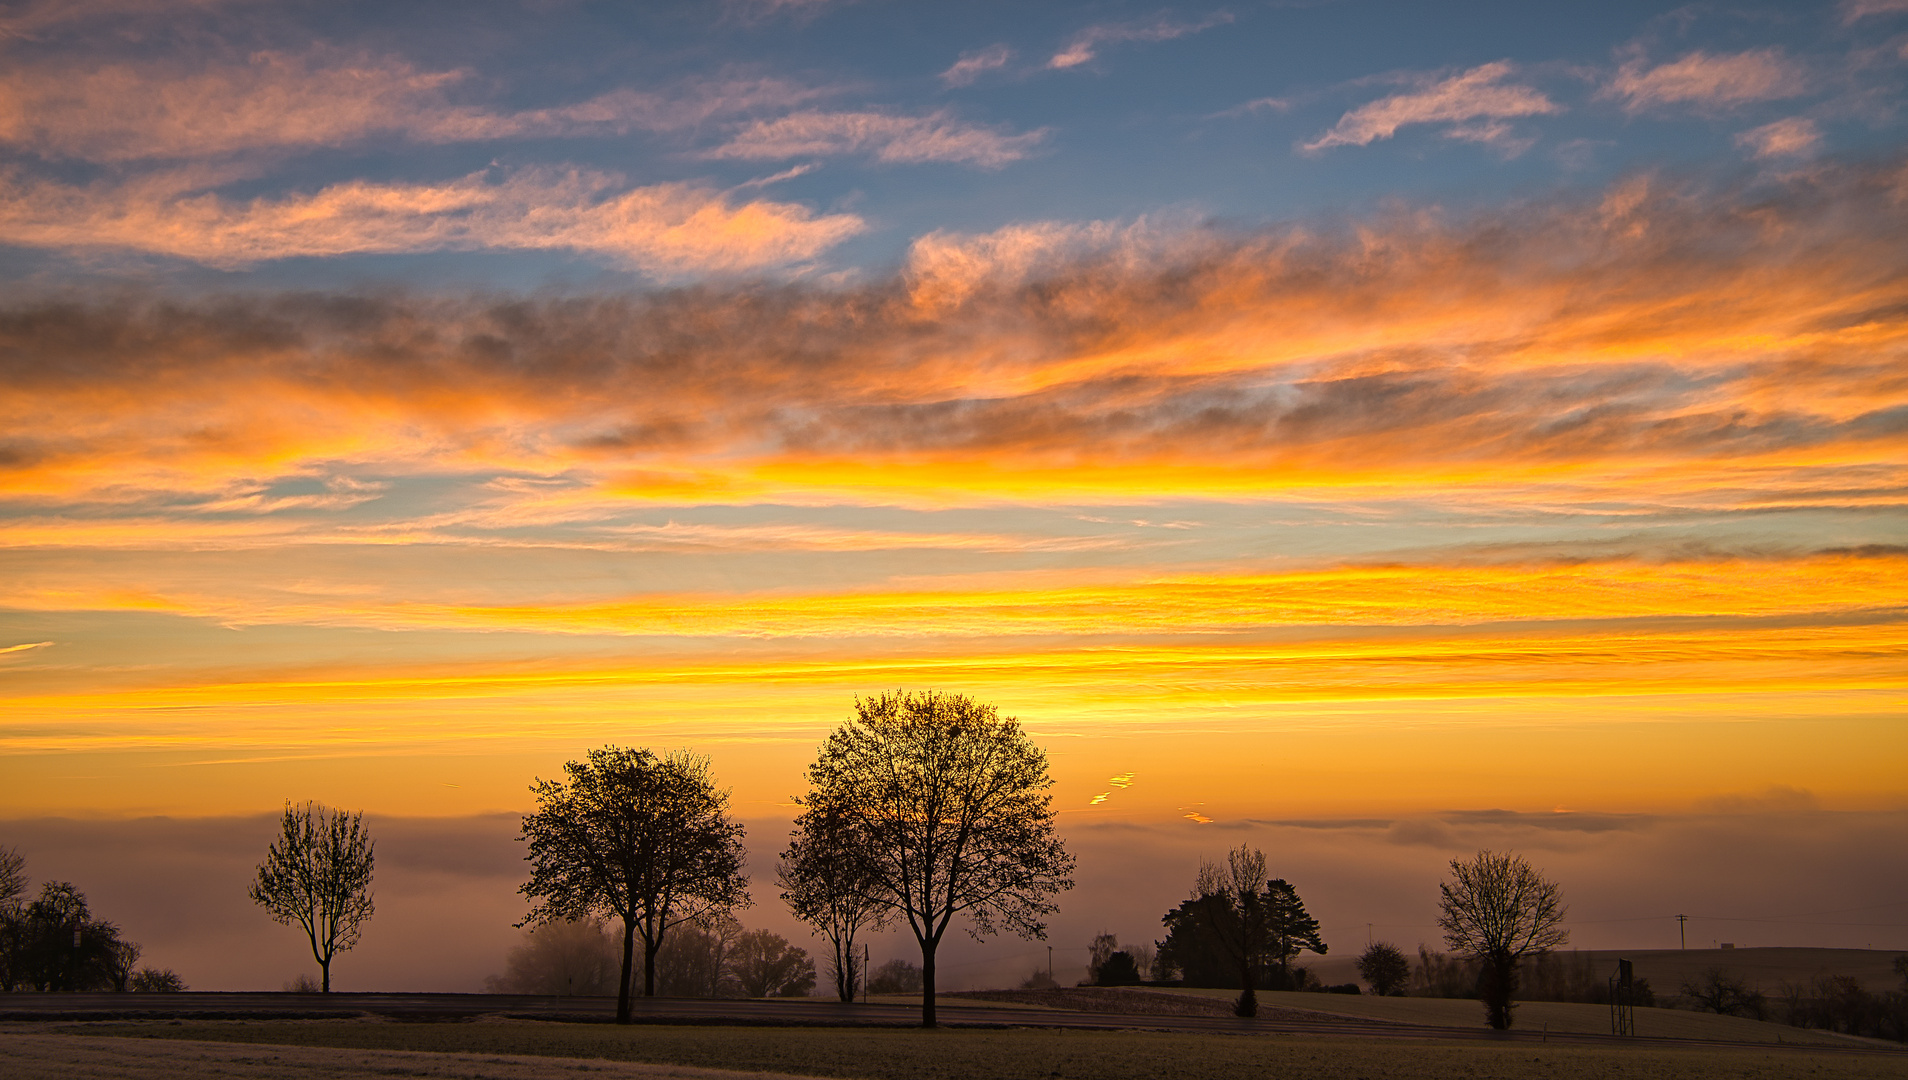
(446, 888)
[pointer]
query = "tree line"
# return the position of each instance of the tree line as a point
(54, 943)
(922, 808)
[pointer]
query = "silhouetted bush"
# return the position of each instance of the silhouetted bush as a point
(1119, 970)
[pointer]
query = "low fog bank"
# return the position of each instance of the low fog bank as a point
(447, 897)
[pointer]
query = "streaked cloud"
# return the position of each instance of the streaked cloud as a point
(1793, 137)
(1475, 104)
(320, 98)
(30, 18)
(1085, 46)
(1707, 80)
(1853, 10)
(885, 137)
(972, 65)
(665, 229)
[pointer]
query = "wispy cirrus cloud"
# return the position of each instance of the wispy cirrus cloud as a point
(1085, 46)
(1853, 10)
(972, 65)
(1793, 137)
(1707, 80)
(277, 101)
(665, 229)
(1475, 104)
(887, 137)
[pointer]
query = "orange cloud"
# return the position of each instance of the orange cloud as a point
(664, 228)
(1656, 345)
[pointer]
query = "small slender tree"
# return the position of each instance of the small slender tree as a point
(826, 884)
(1104, 946)
(944, 803)
(317, 874)
(1497, 909)
(645, 839)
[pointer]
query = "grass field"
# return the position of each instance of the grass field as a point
(947, 1054)
(1559, 1016)
(1666, 969)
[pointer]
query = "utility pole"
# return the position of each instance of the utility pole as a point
(1682, 937)
(1049, 963)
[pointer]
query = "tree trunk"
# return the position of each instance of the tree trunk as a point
(845, 970)
(622, 984)
(649, 967)
(1496, 985)
(325, 967)
(927, 983)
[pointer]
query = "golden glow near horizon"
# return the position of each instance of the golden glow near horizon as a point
(1585, 514)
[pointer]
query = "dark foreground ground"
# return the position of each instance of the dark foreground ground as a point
(502, 1049)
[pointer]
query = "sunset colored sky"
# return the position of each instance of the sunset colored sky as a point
(1325, 412)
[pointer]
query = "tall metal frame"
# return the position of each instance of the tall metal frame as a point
(1623, 999)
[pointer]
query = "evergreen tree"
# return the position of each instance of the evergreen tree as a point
(1290, 929)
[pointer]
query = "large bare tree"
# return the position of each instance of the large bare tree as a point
(1498, 909)
(944, 804)
(827, 885)
(317, 874)
(645, 839)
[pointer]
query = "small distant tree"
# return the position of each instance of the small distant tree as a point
(1497, 909)
(120, 958)
(1385, 968)
(302, 983)
(157, 981)
(1119, 970)
(1103, 947)
(828, 885)
(644, 839)
(1721, 991)
(764, 964)
(944, 803)
(317, 875)
(897, 976)
(573, 957)
(1289, 929)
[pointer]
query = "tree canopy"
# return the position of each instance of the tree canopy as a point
(1497, 908)
(317, 875)
(644, 839)
(943, 803)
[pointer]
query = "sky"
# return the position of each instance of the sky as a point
(1372, 431)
